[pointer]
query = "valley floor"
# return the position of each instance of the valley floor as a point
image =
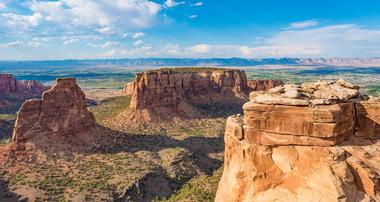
(111, 162)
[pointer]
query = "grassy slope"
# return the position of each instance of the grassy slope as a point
(202, 188)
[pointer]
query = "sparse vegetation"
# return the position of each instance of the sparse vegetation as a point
(202, 188)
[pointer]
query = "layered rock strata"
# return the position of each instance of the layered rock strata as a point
(170, 87)
(286, 150)
(11, 88)
(128, 88)
(262, 85)
(61, 111)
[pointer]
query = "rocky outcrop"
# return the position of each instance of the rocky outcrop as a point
(61, 111)
(11, 88)
(170, 87)
(262, 85)
(128, 88)
(290, 148)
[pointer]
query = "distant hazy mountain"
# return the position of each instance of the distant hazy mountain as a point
(243, 62)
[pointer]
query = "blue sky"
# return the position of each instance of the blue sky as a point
(77, 29)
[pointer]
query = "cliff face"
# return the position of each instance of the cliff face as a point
(286, 150)
(168, 88)
(259, 85)
(11, 88)
(62, 111)
(129, 88)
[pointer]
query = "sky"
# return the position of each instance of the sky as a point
(96, 29)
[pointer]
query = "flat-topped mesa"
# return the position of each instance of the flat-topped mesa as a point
(61, 111)
(169, 87)
(310, 142)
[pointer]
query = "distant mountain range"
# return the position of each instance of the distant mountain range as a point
(237, 62)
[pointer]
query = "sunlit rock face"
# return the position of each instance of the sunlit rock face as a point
(11, 88)
(167, 88)
(259, 85)
(292, 148)
(61, 111)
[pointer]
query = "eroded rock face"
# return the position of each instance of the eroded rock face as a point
(285, 152)
(62, 111)
(128, 88)
(168, 88)
(11, 88)
(260, 85)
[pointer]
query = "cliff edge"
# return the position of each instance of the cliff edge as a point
(310, 142)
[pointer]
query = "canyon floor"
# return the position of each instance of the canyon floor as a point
(111, 162)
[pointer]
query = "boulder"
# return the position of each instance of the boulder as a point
(61, 111)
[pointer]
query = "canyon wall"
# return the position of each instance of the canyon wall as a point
(11, 88)
(313, 142)
(61, 111)
(263, 84)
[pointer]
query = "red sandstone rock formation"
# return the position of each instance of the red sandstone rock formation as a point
(297, 152)
(168, 88)
(129, 88)
(262, 85)
(61, 111)
(11, 88)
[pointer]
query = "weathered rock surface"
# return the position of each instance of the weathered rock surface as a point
(286, 152)
(260, 85)
(318, 93)
(128, 88)
(61, 111)
(11, 88)
(168, 88)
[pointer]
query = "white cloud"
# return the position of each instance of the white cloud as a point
(138, 35)
(200, 48)
(198, 4)
(138, 42)
(69, 40)
(85, 15)
(21, 22)
(105, 30)
(193, 16)
(304, 24)
(173, 3)
(13, 44)
(109, 54)
(34, 44)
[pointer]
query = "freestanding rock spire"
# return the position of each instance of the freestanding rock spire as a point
(62, 111)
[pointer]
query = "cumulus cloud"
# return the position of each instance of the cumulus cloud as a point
(173, 3)
(86, 15)
(193, 16)
(304, 24)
